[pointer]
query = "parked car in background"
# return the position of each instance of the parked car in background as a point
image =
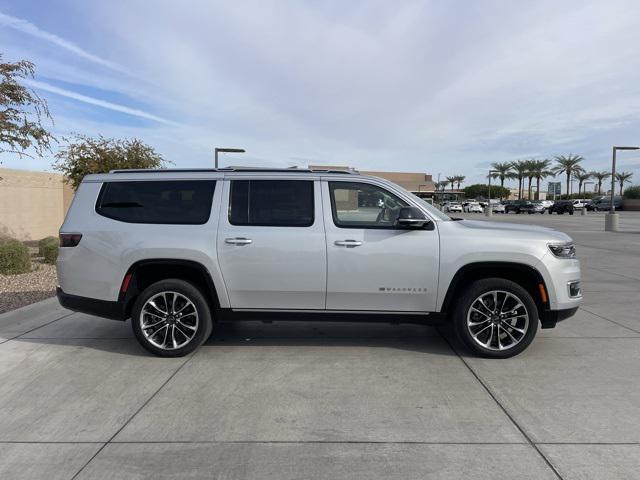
(591, 204)
(546, 203)
(605, 204)
(580, 203)
(474, 208)
(453, 207)
(561, 207)
(177, 251)
(515, 206)
(497, 207)
(530, 208)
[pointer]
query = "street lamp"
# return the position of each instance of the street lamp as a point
(489, 211)
(587, 183)
(611, 220)
(227, 150)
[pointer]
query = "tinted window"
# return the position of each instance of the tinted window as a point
(360, 205)
(277, 203)
(170, 202)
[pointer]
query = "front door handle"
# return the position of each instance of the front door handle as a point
(238, 241)
(347, 243)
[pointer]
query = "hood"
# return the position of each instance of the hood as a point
(515, 230)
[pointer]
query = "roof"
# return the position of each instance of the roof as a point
(235, 169)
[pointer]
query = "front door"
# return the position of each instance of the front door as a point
(271, 244)
(372, 265)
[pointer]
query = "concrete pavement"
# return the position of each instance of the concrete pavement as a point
(80, 399)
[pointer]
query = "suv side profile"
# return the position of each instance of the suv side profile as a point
(178, 251)
(562, 206)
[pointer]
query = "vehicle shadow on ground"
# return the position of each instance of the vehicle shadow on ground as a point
(116, 337)
(410, 337)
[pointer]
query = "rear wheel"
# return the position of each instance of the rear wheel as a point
(171, 318)
(496, 318)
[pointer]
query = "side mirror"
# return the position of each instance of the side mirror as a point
(411, 217)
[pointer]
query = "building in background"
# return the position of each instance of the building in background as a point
(32, 204)
(418, 183)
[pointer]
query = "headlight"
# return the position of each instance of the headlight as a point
(563, 250)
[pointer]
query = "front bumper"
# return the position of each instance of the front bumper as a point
(549, 318)
(92, 306)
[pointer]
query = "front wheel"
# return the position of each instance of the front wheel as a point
(496, 318)
(171, 318)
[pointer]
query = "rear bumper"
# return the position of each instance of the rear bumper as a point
(549, 318)
(92, 306)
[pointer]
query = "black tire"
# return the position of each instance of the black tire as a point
(473, 292)
(186, 290)
(570, 212)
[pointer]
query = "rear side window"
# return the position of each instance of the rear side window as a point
(275, 203)
(180, 202)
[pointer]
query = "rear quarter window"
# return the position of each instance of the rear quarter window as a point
(179, 202)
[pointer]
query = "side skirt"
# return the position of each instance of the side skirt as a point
(227, 315)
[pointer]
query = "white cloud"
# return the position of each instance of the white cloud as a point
(97, 102)
(28, 28)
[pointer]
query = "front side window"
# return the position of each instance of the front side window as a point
(361, 205)
(183, 202)
(275, 203)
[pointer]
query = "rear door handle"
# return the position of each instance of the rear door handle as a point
(238, 241)
(347, 243)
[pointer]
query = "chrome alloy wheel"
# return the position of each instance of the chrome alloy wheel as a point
(497, 320)
(169, 320)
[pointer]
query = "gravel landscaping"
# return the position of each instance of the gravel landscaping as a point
(23, 289)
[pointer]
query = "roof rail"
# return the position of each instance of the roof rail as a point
(236, 169)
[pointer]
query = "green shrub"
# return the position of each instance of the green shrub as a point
(45, 241)
(632, 192)
(50, 252)
(14, 257)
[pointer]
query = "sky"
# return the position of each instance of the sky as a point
(443, 87)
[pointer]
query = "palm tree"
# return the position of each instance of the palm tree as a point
(530, 174)
(452, 181)
(622, 178)
(459, 180)
(568, 165)
(540, 172)
(502, 171)
(601, 177)
(581, 177)
(443, 184)
(520, 169)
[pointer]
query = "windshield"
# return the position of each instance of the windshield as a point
(431, 209)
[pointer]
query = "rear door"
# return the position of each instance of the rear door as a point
(271, 243)
(372, 265)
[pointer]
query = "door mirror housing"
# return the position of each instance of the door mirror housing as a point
(411, 217)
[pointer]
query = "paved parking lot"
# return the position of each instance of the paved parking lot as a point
(80, 399)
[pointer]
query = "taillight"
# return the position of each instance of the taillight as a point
(69, 239)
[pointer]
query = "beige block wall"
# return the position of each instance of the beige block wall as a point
(32, 204)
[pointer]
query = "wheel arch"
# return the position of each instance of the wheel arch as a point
(143, 273)
(524, 275)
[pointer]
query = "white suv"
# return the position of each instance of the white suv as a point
(179, 250)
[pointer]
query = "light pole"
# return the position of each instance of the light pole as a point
(489, 211)
(587, 183)
(611, 219)
(227, 150)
